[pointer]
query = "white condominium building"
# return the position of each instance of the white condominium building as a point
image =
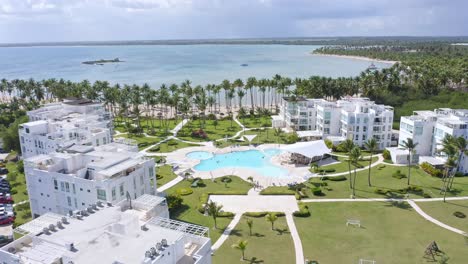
(349, 118)
(60, 125)
(429, 128)
(131, 232)
(79, 176)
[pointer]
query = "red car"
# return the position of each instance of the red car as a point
(6, 199)
(7, 220)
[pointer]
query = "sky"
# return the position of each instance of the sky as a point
(101, 20)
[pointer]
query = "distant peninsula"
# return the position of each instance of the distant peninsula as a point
(101, 61)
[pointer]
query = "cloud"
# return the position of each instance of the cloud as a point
(68, 20)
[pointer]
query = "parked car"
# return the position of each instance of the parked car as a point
(6, 213)
(4, 171)
(6, 198)
(5, 220)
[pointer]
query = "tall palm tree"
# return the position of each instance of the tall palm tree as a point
(242, 246)
(460, 145)
(214, 210)
(348, 145)
(449, 165)
(371, 145)
(271, 217)
(410, 146)
(354, 156)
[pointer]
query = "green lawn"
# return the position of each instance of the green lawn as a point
(363, 153)
(171, 145)
(222, 129)
(152, 126)
(142, 141)
(389, 234)
(444, 212)
(265, 245)
(382, 179)
(264, 136)
(19, 184)
(189, 212)
(255, 122)
(343, 165)
(167, 174)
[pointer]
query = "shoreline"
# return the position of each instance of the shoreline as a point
(355, 58)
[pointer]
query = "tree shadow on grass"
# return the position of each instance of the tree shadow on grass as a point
(254, 260)
(282, 230)
(398, 204)
(236, 232)
(179, 211)
(258, 235)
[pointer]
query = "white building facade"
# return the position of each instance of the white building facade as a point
(349, 118)
(60, 125)
(429, 128)
(62, 182)
(127, 233)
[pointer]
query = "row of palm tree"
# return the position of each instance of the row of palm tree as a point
(454, 148)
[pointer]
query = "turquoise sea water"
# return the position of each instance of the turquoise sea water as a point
(251, 159)
(159, 64)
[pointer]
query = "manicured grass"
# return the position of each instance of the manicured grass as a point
(255, 121)
(381, 179)
(189, 213)
(363, 153)
(264, 136)
(19, 184)
(444, 212)
(167, 174)
(343, 165)
(142, 141)
(171, 145)
(222, 129)
(23, 214)
(389, 234)
(152, 126)
(265, 245)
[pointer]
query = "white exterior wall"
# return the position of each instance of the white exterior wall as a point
(58, 192)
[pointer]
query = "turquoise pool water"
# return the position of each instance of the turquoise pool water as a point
(251, 159)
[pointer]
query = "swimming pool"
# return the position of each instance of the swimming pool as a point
(251, 159)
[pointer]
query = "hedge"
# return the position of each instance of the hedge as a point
(398, 175)
(337, 178)
(184, 191)
(303, 211)
(274, 191)
(262, 214)
(429, 169)
(317, 191)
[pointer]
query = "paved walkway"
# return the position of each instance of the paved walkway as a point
(435, 221)
(296, 239)
(240, 204)
(226, 232)
(383, 200)
(179, 127)
(170, 184)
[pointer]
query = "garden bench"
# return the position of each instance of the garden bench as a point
(353, 222)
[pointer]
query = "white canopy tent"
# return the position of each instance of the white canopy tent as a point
(250, 137)
(309, 149)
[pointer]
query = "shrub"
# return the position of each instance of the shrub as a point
(226, 179)
(13, 191)
(426, 195)
(159, 176)
(459, 214)
(262, 214)
(184, 191)
(330, 170)
(154, 149)
(317, 191)
(226, 214)
(12, 176)
(174, 201)
(199, 134)
(398, 175)
(337, 178)
(277, 191)
(172, 143)
(292, 138)
(429, 169)
(380, 191)
(386, 154)
(329, 143)
(303, 211)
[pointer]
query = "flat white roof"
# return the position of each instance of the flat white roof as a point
(309, 133)
(309, 149)
(431, 160)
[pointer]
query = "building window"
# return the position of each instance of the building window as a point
(69, 201)
(74, 188)
(76, 203)
(122, 191)
(151, 171)
(364, 129)
(62, 186)
(27, 130)
(114, 193)
(101, 194)
(67, 187)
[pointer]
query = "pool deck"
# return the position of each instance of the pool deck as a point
(295, 174)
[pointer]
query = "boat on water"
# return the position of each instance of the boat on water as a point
(244, 65)
(372, 67)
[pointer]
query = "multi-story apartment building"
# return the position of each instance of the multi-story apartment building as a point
(349, 118)
(128, 232)
(428, 129)
(79, 176)
(60, 125)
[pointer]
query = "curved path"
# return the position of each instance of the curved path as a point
(170, 184)
(296, 239)
(379, 161)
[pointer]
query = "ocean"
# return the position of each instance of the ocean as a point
(158, 64)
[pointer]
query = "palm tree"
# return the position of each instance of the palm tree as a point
(242, 246)
(214, 210)
(371, 145)
(348, 145)
(271, 217)
(460, 145)
(449, 165)
(354, 156)
(250, 225)
(410, 146)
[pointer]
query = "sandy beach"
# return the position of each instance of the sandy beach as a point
(355, 58)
